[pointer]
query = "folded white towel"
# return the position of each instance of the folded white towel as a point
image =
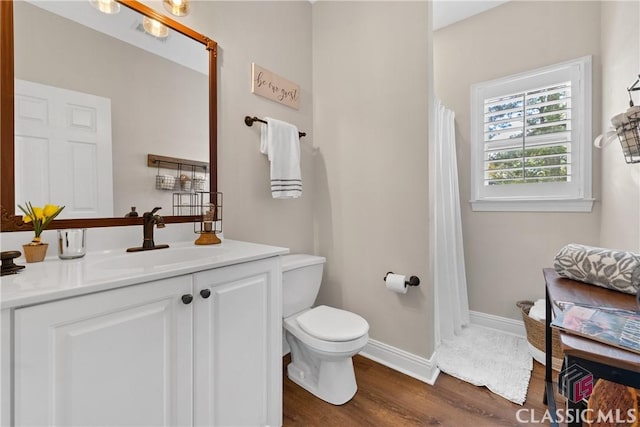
(539, 310)
(281, 143)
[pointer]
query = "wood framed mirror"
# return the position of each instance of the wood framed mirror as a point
(10, 219)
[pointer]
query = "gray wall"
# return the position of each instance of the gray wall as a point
(620, 221)
(370, 77)
(506, 251)
(276, 36)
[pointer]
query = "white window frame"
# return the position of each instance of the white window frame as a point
(573, 196)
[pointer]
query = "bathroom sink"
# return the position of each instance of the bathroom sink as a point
(160, 258)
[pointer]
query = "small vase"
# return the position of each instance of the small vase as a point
(35, 253)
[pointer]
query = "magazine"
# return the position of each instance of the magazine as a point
(620, 328)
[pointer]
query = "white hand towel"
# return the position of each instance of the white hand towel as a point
(539, 310)
(281, 143)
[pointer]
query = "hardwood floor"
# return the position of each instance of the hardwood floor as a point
(388, 398)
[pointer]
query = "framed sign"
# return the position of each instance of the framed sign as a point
(272, 86)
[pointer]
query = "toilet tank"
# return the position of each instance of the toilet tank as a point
(301, 278)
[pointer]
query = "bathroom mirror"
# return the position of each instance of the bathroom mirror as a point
(187, 84)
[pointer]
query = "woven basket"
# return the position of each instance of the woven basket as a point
(536, 335)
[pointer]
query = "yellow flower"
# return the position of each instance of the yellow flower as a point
(38, 212)
(49, 210)
(39, 217)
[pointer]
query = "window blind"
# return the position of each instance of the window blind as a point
(527, 136)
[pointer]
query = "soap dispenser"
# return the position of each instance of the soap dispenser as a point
(133, 213)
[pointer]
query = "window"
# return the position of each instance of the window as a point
(531, 140)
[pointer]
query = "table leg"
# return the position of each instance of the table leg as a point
(549, 396)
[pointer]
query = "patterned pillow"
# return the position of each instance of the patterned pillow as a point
(617, 270)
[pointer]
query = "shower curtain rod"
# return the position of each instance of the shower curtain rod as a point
(250, 120)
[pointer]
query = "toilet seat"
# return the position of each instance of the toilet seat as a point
(332, 324)
(334, 347)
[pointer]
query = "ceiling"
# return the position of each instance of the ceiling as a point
(126, 26)
(447, 12)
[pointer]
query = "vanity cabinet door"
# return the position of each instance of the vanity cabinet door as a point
(113, 358)
(238, 340)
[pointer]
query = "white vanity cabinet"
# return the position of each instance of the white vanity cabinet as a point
(238, 337)
(113, 358)
(196, 349)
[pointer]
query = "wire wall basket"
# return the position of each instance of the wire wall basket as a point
(175, 174)
(628, 127)
(629, 135)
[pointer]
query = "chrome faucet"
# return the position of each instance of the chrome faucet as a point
(149, 220)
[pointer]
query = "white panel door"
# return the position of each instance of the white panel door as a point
(238, 336)
(63, 150)
(116, 358)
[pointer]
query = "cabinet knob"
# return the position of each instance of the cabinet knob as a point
(187, 298)
(205, 293)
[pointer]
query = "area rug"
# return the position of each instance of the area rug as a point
(486, 357)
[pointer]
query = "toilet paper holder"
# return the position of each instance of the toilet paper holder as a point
(413, 280)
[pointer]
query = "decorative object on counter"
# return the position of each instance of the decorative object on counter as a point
(72, 243)
(8, 266)
(132, 214)
(40, 218)
(35, 253)
(149, 219)
(210, 223)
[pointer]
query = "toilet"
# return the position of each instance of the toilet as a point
(322, 339)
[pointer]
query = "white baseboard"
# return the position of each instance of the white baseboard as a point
(503, 324)
(417, 367)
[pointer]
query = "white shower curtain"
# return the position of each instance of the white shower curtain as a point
(451, 303)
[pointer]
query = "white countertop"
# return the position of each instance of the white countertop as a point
(55, 278)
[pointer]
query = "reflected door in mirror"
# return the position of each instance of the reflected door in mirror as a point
(63, 150)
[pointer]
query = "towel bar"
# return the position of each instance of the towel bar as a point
(250, 120)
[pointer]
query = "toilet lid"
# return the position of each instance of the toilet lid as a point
(332, 324)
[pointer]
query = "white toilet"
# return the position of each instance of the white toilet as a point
(322, 339)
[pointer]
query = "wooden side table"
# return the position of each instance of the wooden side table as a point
(598, 359)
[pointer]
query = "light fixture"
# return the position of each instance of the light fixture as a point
(154, 28)
(177, 7)
(106, 6)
